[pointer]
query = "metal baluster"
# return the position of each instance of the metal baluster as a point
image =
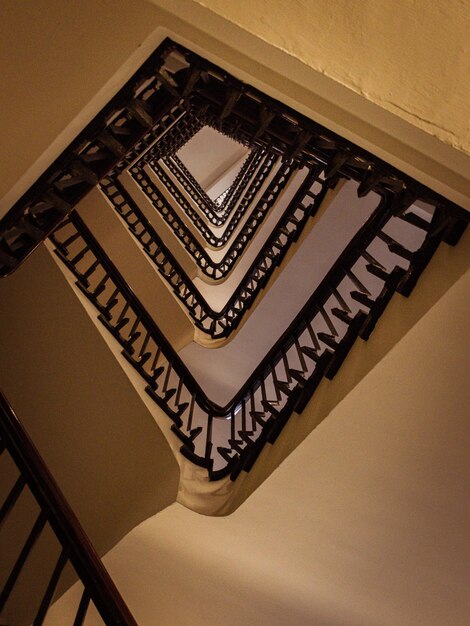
(25, 552)
(208, 450)
(191, 413)
(328, 321)
(12, 497)
(51, 587)
(355, 280)
(82, 609)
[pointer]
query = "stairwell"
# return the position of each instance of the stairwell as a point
(130, 437)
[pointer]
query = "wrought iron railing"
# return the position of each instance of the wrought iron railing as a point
(219, 324)
(221, 206)
(220, 209)
(262, 173)
(55, 513)
(212, 269)
(157, 97)
(345, 306)
(232, 195)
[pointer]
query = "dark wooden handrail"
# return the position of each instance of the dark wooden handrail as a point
(220, 269)
(205, 204)
(196, 220)
(231, 194)
(56, 510)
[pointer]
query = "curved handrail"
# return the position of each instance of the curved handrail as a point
(55, 510)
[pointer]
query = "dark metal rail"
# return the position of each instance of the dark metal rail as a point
(345, 306)
(222, 208)
(212, 269)
(232, 195)
(218, 324)
(134, 118)
(266, 166)
(55, 512)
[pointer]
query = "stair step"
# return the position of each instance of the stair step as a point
(121, 323)
(182, 408)
(283, 386)
(416, 220)
(237, 445)
(298, 375)
(400, 250)
(259, 417)
(328, 339)
(169, 393)
(226, 453)
(342, 315)
(157, 372)
(310, 352)
(269, 407)
(377, 271)
(362, 298)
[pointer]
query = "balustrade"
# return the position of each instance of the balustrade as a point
(218, 324)
(346, 305)
(53, 513)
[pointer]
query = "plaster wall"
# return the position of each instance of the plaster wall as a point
(67, 387)
(61, 62)
(138, 270)
(365, 523)
(410, 57)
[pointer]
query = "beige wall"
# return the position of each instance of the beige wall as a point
(409, 57)
(113, 463)
(60, 63)
(54, 57)
(366, 523)
(447, 267)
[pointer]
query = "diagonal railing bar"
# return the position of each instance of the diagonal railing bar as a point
(345, 306)
(212, 269)
(56, 513)
(219, 324)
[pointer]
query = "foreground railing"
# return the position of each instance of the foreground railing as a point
(219, 324)
(345, 306)
(54, 512)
